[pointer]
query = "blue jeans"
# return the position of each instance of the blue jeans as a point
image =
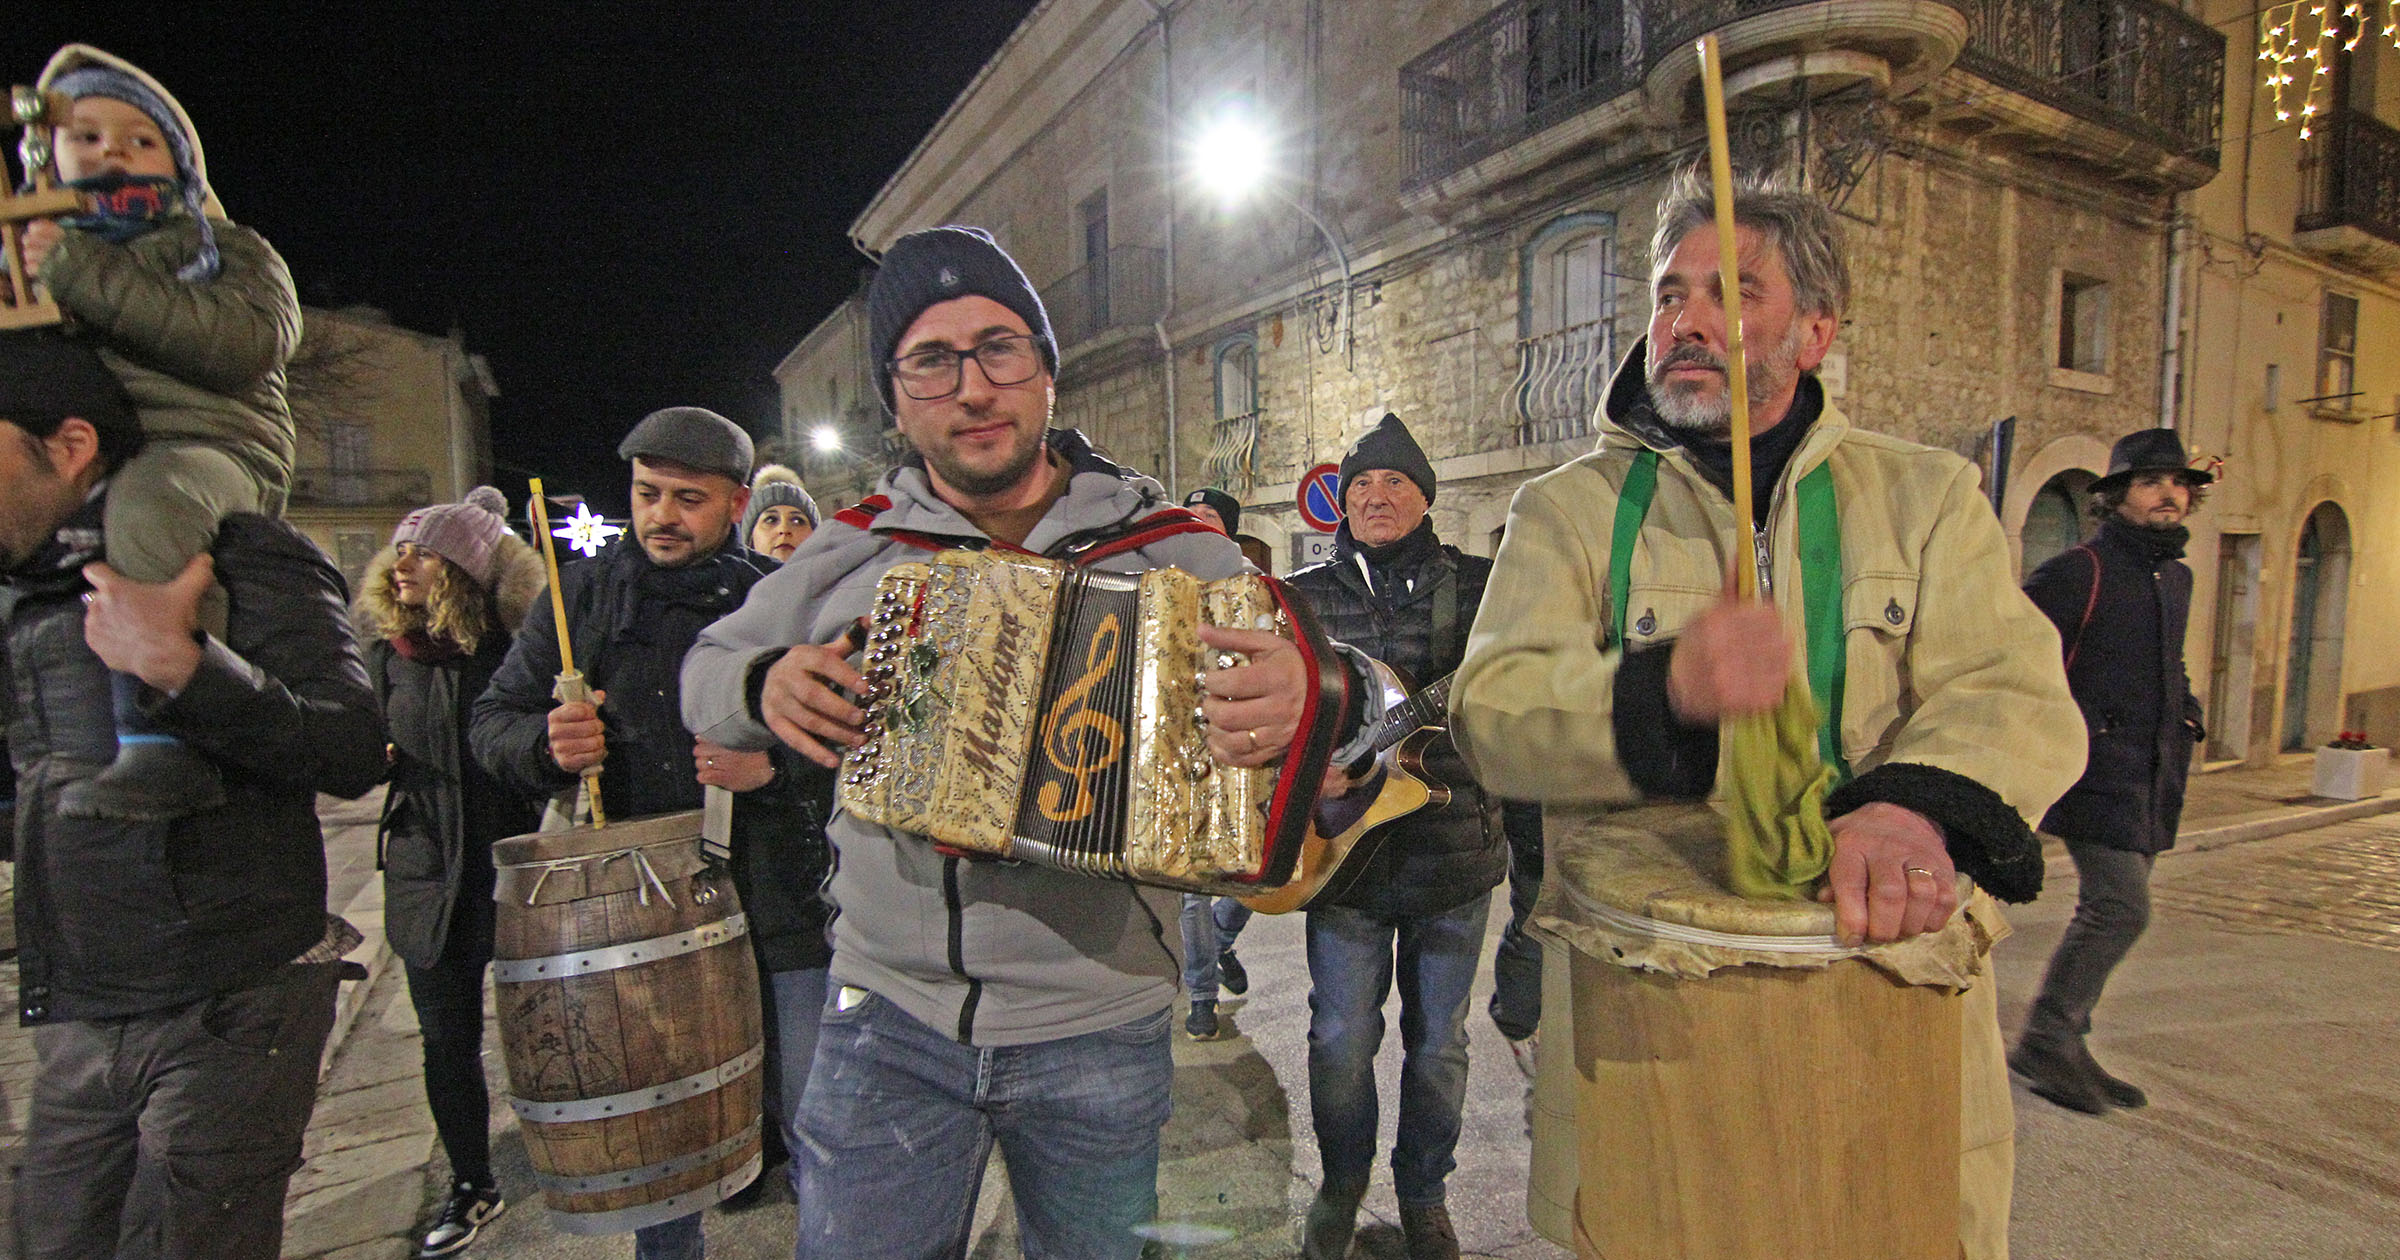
(793, 1000)
(899, 1121)
(1209, 926)
(1351, 958)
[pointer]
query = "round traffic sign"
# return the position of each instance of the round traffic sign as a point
(1321, 497)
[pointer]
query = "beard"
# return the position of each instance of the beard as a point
(980, 482)
(1692, 414)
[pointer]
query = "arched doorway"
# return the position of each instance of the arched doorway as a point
(2312, 681)
(2056, 520)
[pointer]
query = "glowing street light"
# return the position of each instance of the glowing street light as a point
(1234, 157)
(825, 439)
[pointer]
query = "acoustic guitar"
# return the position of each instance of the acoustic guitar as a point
(1333, 855)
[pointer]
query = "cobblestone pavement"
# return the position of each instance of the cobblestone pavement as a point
(2343, 883)
(2269, 975)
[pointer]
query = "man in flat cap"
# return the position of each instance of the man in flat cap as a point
(2120, 603)
(634, 610)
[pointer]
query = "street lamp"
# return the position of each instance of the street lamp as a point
(825, 439)
(1233, 156)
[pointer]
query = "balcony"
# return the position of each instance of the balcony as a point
(1531, 65)
(2132, 87)
(361, 488)
(1561, 378)
(2350, 193)
(1231, 464)
(1125, 288)
(2135, 86)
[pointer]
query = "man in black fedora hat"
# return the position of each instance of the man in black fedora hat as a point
(2120, 603)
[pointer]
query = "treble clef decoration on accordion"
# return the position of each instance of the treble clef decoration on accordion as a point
(1022, 708)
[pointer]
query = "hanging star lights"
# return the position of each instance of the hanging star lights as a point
(586, 532)
(2301, 38)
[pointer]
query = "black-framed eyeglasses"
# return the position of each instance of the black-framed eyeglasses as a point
(937, 372)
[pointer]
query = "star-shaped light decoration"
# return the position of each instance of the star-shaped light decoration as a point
(586, 532)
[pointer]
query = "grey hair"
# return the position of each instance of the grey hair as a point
(1797, 224)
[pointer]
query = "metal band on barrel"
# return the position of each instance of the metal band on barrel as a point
(569, 1111)
(658, 1213)
(630, 954)
(630, 1177)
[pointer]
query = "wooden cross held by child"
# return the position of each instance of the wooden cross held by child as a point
(37, 112)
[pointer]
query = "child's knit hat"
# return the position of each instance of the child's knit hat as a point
(80, 70)
(466, 533)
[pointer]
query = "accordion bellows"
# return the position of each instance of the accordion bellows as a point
(1024, 709)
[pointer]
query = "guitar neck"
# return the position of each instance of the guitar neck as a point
(1426, 708)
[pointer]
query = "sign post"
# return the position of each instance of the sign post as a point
(1321, 498)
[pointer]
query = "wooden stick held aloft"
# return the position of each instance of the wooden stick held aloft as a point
(571, 688)
(1729, 279)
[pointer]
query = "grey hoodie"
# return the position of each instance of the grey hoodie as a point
(993, 954)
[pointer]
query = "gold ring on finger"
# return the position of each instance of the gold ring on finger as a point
(1918, 870)
(1253, 740)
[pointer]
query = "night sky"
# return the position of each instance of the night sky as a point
(624, 206)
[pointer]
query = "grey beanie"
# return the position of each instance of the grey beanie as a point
(1388, 445)
(694, 437)
(466, 533)
(101, 80)
(924, 269)
(777, 486)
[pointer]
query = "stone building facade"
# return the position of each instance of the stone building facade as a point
(389, 420)
(2029, 189)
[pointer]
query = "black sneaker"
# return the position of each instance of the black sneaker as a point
(1231, 975)
(1201, 1024)
(464, 1214)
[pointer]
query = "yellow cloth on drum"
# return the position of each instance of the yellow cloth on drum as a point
(1776, 842)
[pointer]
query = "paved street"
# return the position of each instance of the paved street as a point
(2259, 1011)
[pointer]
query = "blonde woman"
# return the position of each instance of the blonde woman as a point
(440, 604)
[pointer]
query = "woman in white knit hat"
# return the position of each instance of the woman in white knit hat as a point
(440, 605)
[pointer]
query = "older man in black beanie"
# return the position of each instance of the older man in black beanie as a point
(178, 977)
(980, 1004)
(1421, 888)
(2120, 603)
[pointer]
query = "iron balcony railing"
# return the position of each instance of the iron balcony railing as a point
(2136, 66)
(2139, 66)
(1561, 378)
(1233, 454)
(2350, 176)
(1125, 287)
(361, 487)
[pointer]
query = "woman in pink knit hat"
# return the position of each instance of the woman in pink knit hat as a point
(440, 605)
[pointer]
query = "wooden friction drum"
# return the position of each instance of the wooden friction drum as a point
(629, 1012)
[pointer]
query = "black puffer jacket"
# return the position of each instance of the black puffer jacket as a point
(117, 918)
(632, 623)
(1414, 617)
(2125, 666)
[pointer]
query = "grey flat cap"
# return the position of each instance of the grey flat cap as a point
(694, 437)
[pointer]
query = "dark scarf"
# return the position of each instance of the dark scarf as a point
(2156, 543)
(1399, 559)
(1769, 451)
(428, 649)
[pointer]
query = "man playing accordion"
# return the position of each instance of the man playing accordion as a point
(976, 1002)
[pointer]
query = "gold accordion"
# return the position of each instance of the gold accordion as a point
(1021, 708)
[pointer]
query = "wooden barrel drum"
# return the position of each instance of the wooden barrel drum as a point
(629, 1013)
(1743, 1087)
